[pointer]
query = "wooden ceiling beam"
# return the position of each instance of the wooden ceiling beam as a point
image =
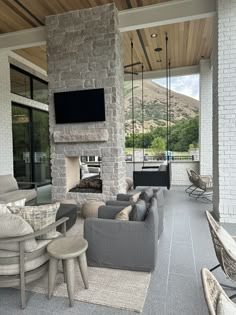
(23, 39)
(170, 12)
(180, 71)
(132, 19)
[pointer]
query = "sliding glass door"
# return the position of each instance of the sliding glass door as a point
(30, 144)
(21, 143)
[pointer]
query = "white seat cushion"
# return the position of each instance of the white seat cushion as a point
(28, 194)
(225, 306)
(6, 270)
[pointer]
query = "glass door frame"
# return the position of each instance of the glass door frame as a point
(31, 138)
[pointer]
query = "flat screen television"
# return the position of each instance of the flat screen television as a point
(79, 106)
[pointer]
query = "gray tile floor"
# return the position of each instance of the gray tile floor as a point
(185, 247)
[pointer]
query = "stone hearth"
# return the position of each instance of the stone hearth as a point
(84, 52)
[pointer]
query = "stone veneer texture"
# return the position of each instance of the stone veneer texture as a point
(84, 52)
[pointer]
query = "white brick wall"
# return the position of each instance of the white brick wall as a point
(224, 112)
(205, 119)
(6, 97)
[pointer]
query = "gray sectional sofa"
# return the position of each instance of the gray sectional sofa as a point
(9, 191)
(128, 245)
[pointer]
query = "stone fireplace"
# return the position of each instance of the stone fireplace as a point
(84, 52)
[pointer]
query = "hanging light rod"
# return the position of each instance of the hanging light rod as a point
(158, 49)
(129, 72)
(132, 64)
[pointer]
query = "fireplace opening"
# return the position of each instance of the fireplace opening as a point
(90, 177)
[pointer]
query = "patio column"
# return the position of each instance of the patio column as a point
(205, 119)
(224, 112)
(6, 145)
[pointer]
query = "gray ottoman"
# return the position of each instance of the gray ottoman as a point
(90, 208)
(69, 211)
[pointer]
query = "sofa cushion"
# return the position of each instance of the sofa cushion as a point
(146, 195)
(84, 168)
(124, 214)
(163, 168)
(225, 306)
(28, 194)
(7, 183)
(139, 210)
(4, 206)
(12, 226)
(39, 217)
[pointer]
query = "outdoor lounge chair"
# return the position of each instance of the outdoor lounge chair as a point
(191, 187)
(202, 186)
(225, 248)
(216, 298)
(19, 267)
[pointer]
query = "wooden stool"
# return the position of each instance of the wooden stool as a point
(67, 249)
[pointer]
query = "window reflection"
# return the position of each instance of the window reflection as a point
(20, 83)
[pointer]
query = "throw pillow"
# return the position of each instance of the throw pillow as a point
(147, 195)
(4, 206)
(124, 214)
(129, 182)
(12, 226)
(225, 306)
(138, 211)
(39, 217)
(135, 197)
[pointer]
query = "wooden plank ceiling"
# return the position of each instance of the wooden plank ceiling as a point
(187, 42)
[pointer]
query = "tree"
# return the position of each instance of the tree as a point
(158, 145)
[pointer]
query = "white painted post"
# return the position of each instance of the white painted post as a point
(205, 119)
(224, 112)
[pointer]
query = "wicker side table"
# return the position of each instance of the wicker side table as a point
(67, 249)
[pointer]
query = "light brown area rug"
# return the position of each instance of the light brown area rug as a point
(110, 287)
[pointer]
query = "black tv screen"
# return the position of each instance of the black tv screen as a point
(79, 106)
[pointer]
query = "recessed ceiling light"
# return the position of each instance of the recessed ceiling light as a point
(153, 35)
(158, 49)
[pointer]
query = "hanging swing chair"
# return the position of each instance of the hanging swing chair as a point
(151, 175)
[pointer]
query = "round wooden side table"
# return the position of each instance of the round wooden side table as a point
(67, 249)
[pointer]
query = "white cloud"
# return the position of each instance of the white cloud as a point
(187, 85)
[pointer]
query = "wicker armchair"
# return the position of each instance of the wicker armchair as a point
(225, 248)
(191, 187)
(212, 291)
(202, 186)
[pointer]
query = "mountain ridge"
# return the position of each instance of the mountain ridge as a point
(181, 106)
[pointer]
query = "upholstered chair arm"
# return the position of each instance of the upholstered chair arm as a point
(123, 197)
(109, 212)
(118, 203)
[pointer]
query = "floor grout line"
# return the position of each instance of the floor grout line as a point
(169, 261)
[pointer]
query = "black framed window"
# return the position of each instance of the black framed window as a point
(28, 85)
(20, 83)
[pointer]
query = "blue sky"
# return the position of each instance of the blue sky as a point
(187, 85)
